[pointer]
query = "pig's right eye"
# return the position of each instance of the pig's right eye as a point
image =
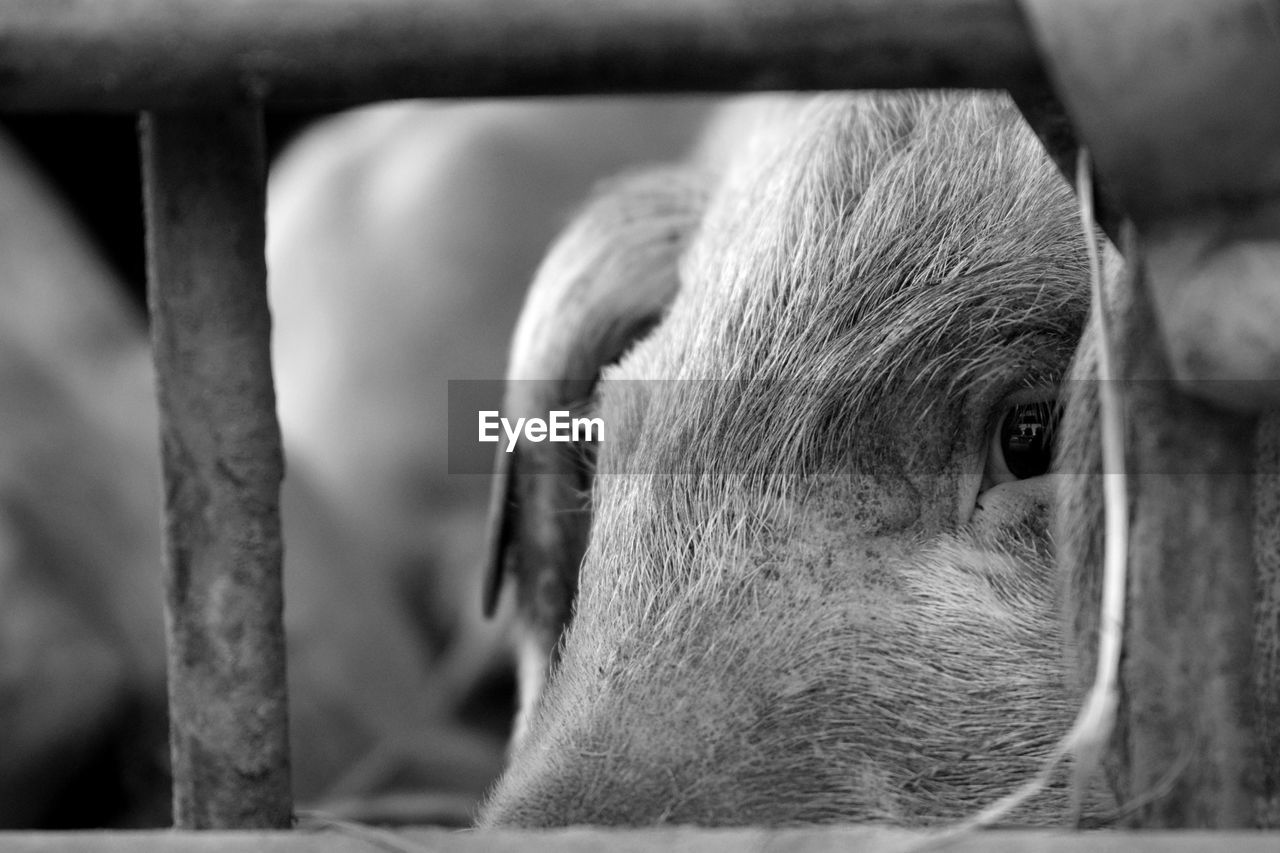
(1021, 442)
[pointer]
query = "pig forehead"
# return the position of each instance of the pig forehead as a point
(839, 240)
(892, 396)
(845, 281)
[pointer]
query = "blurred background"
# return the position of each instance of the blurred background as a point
(401, 238)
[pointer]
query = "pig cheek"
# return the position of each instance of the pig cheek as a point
(1018, 504)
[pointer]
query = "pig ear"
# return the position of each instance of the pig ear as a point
(498, 529)
(605, 283)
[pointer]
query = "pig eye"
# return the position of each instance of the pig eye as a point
(1021, 445)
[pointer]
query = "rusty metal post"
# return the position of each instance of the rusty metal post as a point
(1187, 678)
(205, 197)
(1176, 101)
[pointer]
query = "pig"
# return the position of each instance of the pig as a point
(808, 577)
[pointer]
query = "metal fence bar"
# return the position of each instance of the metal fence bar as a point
(205, 195)
(1188, 714)
(1177, 99)
(669, 839)
(129, 55)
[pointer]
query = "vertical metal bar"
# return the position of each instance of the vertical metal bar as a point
(1187, 679)
(204, 186)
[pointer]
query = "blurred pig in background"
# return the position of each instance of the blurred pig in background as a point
(82, 726)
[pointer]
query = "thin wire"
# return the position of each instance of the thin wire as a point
(1103, 700)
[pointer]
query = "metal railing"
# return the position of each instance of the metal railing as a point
(202, 72)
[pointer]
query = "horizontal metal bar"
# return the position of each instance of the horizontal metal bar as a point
(126, 55)
(355, 839)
